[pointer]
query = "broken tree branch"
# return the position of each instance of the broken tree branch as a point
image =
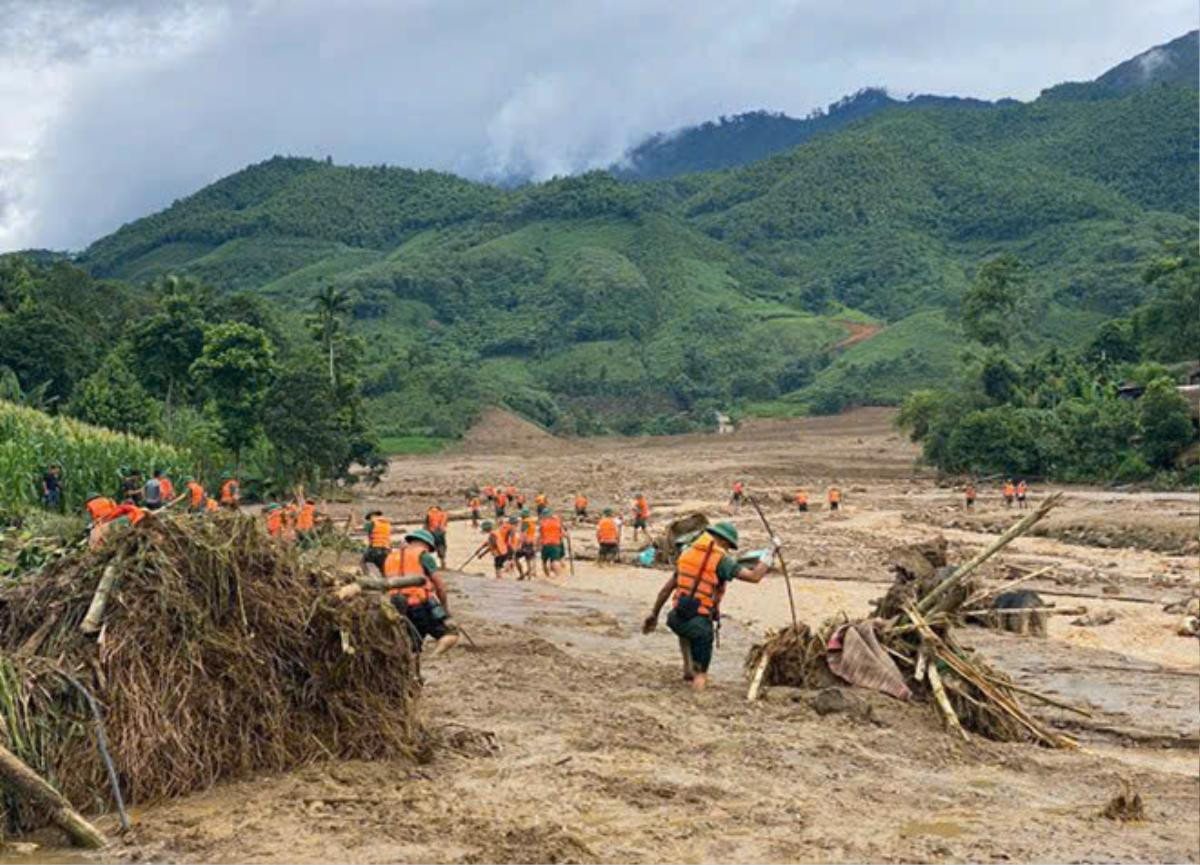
(82, 833)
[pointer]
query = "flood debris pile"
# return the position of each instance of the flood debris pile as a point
(210, 652)
(908, 649)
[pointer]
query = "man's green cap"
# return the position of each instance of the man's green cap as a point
(726, 532)
(524, 512)
(92, 495)
(547, 513)
(608, 512)
(370, 514)
(422, 536)
(273, 506)
(512, 521)
(486, 525)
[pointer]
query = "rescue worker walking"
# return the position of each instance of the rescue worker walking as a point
(474, 505)
(581, 507)
(426, 605)
(835, 498)
(501, 501)
(702, 573)
(550, 531)
(436, 521)
(231, 493)
(641, 516)
(527, 539)
(735, 500)
(379, 539)
(1010, 493)
(801, 501)
(540, 503)
(196, 495)
(497, 544)
(970, 495)
(608, 536)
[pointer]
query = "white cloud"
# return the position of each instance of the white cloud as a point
(110, 111)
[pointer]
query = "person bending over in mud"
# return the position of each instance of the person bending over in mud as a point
(702, 572)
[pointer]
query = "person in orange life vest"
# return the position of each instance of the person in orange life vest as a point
(550, 531)
(306, 523)
(511, 491)
(496, 541)
(489, 492)
(540, 503)
(739, 492)
(124, 514)
(519, 501)
(608, 536)
(474, 505)
(835, 498)
(425, 605)
(801, 501)
(211, 506)
(702, 572)
(970, 495)
(1022, 492)
(379, 539)
(501, 502)
(98, 507)
(641, 516)
(165, 484)
(527, 540)
(195, 494)
(1010, 492)
(581, 506)
(230, 492)
(436, 521)
(273, 514)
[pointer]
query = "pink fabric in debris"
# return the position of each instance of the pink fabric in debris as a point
(855, 656)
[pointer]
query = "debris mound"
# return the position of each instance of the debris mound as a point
(913, 624)
(219, 654)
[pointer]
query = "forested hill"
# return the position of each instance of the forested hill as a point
(589, 303)
(745, 138)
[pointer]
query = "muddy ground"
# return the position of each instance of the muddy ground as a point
(569, 736)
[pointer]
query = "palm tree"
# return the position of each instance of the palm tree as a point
(329, 306)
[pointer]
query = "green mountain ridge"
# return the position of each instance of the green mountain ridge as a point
(593, 303)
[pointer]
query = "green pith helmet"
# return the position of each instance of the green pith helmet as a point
(640, 496)
(273, 506)
(524, 512)
(547, 513)
(726, 532)
(92, 495)
(370, 514)
(188, 479)
(486, 526)
(422, 536)
(608, 512)
(512, 521)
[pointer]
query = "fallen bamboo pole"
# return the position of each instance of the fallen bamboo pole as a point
(939, 695)
(756, 679)
(95, 615)
(1015, 531)
(82, 833)
(999, 590)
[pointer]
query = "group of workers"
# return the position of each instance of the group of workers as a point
(1018, 493)
(800, 498)
(139, 496)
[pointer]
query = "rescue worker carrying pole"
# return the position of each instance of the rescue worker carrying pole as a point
(702, 573)
(425, 605)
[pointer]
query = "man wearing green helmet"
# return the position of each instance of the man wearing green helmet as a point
(527, 539)
(425, 604)
(702, 572)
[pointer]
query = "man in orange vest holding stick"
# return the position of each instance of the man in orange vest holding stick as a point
(608, 536)
(702, 573)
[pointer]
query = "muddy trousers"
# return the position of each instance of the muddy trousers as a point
(698, 632)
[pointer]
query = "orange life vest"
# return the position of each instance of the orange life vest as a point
(166, 488)
(473, 504)
(406, 562)
(1008, 490)
(552, 531)
(497, 541)
(835, 495)
(306, 518)
(607, 531)
(511, 490)
(196, 495)
(100, 507)
(970, 493)
(210, 504)
(641, 508)
(1022, 489)
(501, 499)
(738, 488)
(229, 492)
(696, 574)
(581, 503)
(275, 522)
(436, 519)
(540, 499)
(130, 511)
(801, 498)
(489, 492)
(529, 530)
(381, 533)
(520, 499)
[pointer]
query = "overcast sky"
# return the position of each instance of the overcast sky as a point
(111, 110)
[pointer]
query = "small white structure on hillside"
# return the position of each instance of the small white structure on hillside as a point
(724, 424)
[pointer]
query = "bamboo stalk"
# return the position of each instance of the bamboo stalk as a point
(82, 833)
(928, 603)
(95, 614)
(939, 694)
(999, 590)
(756, 680)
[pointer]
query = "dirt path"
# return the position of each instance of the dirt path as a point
(568, 736)
(858, 332)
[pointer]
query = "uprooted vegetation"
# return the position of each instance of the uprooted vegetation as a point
(913, 624)
(219, 653)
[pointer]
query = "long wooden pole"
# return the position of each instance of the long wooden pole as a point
(928, 603)
(82, 833)
(779, 555)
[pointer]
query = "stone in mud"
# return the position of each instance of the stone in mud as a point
(835, 701)
(783, 694)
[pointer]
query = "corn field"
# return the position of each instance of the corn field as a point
(91, 457)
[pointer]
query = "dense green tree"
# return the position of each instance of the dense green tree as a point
(1168, 325)
(990, 306)
(113, 397)
(166, 343)
(236, 368)
(1166, 422)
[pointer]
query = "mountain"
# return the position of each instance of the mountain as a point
(745, 138)
(590, 303)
